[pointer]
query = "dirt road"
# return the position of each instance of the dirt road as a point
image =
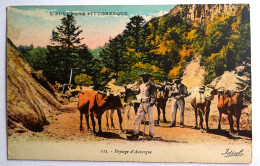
(64, 129)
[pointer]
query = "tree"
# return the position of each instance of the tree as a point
(24, 49)
(66, 52)
(36, 57)
(101, 74)
(130, 76)
(135, 33)
(83, 79)
(227, 44)
(113, 55)
(167, 39)
(242, 44)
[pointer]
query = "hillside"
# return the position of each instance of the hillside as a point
(217, 35)
(95, 52)
(28, 102)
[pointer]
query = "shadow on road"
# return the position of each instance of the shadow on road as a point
(245, 133)
(221, 133)
(109, 135)
(156, 123)
(143, 137)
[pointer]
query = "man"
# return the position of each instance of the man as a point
(179, 92)
(148, 98)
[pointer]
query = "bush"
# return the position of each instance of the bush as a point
(83, 79)
(134, 74)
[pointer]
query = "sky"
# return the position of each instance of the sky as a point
(28, 25)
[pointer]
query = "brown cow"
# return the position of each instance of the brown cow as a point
(132, 97)
(201, 101)
(162, 98)
(230, 103)
(94, 103)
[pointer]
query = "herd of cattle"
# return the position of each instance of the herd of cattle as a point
(95, 103)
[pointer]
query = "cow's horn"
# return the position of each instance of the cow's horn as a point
(244, 88)
(117, 93)
(108, 92)
(99, 91)
(210, 86)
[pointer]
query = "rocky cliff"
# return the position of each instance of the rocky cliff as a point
(201, 13)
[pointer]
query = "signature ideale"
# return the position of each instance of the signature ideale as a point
(232, 153)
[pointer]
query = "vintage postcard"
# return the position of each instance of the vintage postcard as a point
(143, 83)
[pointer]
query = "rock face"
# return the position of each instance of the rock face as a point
(200, 13)
(230, 81)
(193, 75)
(28, 103)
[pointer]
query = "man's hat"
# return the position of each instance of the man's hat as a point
(146, 75)
(177, 79)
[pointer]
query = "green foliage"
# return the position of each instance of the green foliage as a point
(114, 57)
(135, 33)
(122, 52)
(226, 44)
(66, 52)
(100, 74)
(165, 38)
(170, 42)
(134, 74)
(36, 57)
(83, 79)
(24, 49)
(96, 52)
(218, 35)
(242, 44)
